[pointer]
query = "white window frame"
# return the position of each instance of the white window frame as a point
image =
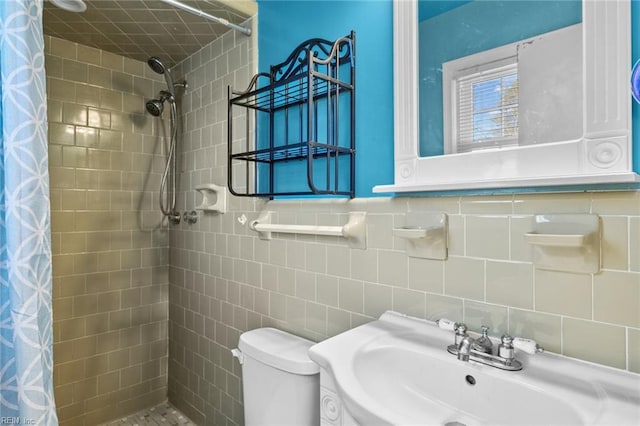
(602, 155)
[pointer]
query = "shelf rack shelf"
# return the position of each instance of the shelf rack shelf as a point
(292, 131)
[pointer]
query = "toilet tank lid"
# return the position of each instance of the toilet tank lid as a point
(279, 349)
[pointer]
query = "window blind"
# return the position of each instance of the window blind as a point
(487, 108)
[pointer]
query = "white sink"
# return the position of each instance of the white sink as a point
(397, 371)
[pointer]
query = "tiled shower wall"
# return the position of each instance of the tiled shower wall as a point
(109, 246)
(224, 280)
(202, 380)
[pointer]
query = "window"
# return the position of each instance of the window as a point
(481, 101)
(487, 109)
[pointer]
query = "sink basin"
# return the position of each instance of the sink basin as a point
(397, 371)
(441, 390)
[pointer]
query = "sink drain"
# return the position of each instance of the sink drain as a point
(471, 380)
(454, 424)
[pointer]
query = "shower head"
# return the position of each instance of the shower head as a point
(156, 65)
(155, 106)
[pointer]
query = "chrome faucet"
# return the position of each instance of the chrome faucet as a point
(466, 348)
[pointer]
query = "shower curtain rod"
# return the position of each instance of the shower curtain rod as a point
(197, 12)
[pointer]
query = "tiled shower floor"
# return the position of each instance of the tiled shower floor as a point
(160, 415)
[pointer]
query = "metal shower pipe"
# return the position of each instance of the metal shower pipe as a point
(198, 12)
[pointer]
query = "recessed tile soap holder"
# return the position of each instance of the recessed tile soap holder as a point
(214, 198)
(566, 242)
(426, 235)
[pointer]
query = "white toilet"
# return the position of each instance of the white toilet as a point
(281, 385)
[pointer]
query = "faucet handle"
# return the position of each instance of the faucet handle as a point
(505, 348)
(483, 343)
(447, 324)
(507, 340)
(461, 332)
(527, 345)
(461, 328)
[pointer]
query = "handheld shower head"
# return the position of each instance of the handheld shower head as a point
(159, 67)
(156, 65)
(156, 106)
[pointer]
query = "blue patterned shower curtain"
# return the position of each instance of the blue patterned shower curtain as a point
(26, 387)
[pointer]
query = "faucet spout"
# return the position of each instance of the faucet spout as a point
(464, 348)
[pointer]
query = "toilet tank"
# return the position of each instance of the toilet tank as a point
(281, 385)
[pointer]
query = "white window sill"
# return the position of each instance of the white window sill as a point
(614, 178)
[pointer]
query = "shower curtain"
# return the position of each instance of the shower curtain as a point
(26, 388)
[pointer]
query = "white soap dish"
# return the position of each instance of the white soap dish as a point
(214, 198)
(426, 235)
(566, 242)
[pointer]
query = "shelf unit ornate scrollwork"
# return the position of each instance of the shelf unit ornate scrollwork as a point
(298, 119)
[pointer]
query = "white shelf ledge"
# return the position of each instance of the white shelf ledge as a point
(547, 182)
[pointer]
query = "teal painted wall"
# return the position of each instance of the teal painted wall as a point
(471, 28)
(283, 24)
(429, 8)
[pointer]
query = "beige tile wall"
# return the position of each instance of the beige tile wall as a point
(110, 251)
(224, 280)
